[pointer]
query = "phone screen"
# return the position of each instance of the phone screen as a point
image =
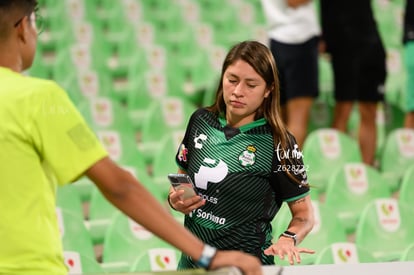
(183, 182)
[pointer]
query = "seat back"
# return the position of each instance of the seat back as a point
(343, 253)
(323, 150)
(350, 188)
(168, 114)
(77, 263)
(68, 198)
(157, 259)
(124, 241)
(385, 228)
(164, 159)
(75, 236)
(397, 155)
(324, 232)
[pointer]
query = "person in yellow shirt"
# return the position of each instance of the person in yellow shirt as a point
(45, 143)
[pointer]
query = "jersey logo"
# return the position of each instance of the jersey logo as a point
(248, 157)
(210, 174)
(198, 141)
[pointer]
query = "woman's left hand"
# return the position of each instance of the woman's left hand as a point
(285, 247)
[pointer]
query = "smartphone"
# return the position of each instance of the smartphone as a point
(183, 182)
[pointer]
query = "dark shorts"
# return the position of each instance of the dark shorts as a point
(298, 68)
(359, 74)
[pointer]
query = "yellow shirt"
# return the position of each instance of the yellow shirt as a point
(44, 141)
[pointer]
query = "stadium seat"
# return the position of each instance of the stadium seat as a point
(397, 155)
(157, 259)
(324, 150)
(77, 263)
(389, 15)
(105, 113)
(406, 190)
(164, 160)
(68, 198)
(101, 211)
(324, 232)
(124, 241)
(169, 114)
(385, 228)
(343, 253)
(75, 236)
(77, 57)
(350, 188)
(84, 187)
(86, 84)
(145, 88)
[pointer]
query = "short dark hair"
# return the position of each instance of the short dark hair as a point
(13, 10)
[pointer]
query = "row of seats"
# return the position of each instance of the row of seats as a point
(128, 247)
(119, 60)
(383, 233)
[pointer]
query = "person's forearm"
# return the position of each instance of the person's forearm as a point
(131, 197)
(303, 219)
(141, 206)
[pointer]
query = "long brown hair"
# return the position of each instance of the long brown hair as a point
(261, 59)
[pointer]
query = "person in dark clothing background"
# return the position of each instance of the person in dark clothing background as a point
(352, 39)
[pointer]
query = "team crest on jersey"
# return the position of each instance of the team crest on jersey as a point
(248, 157)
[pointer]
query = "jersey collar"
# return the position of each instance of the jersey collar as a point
(246, 127)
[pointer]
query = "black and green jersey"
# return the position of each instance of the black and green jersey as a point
(239, 174)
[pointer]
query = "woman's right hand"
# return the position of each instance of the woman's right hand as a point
(185, 206)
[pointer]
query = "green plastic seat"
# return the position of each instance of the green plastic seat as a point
(164, 160)
(124, 241)
(75, 236)
(156, 260)
(350, 188)
(84, 187)
(86, 84)
(324, 150)
(397, 155)
(388, 15)
(105, 113)
(324, 232)
(78, 56)
(167, 114)
(385, 228)
(77, 263)
(344, 253)
(68, 198)
(101, 211)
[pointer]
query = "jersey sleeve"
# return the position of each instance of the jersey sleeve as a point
(61, 136)
(293, 186)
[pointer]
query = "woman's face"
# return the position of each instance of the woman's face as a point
(244, 91)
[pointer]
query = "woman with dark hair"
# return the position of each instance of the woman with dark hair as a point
(244, 164)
